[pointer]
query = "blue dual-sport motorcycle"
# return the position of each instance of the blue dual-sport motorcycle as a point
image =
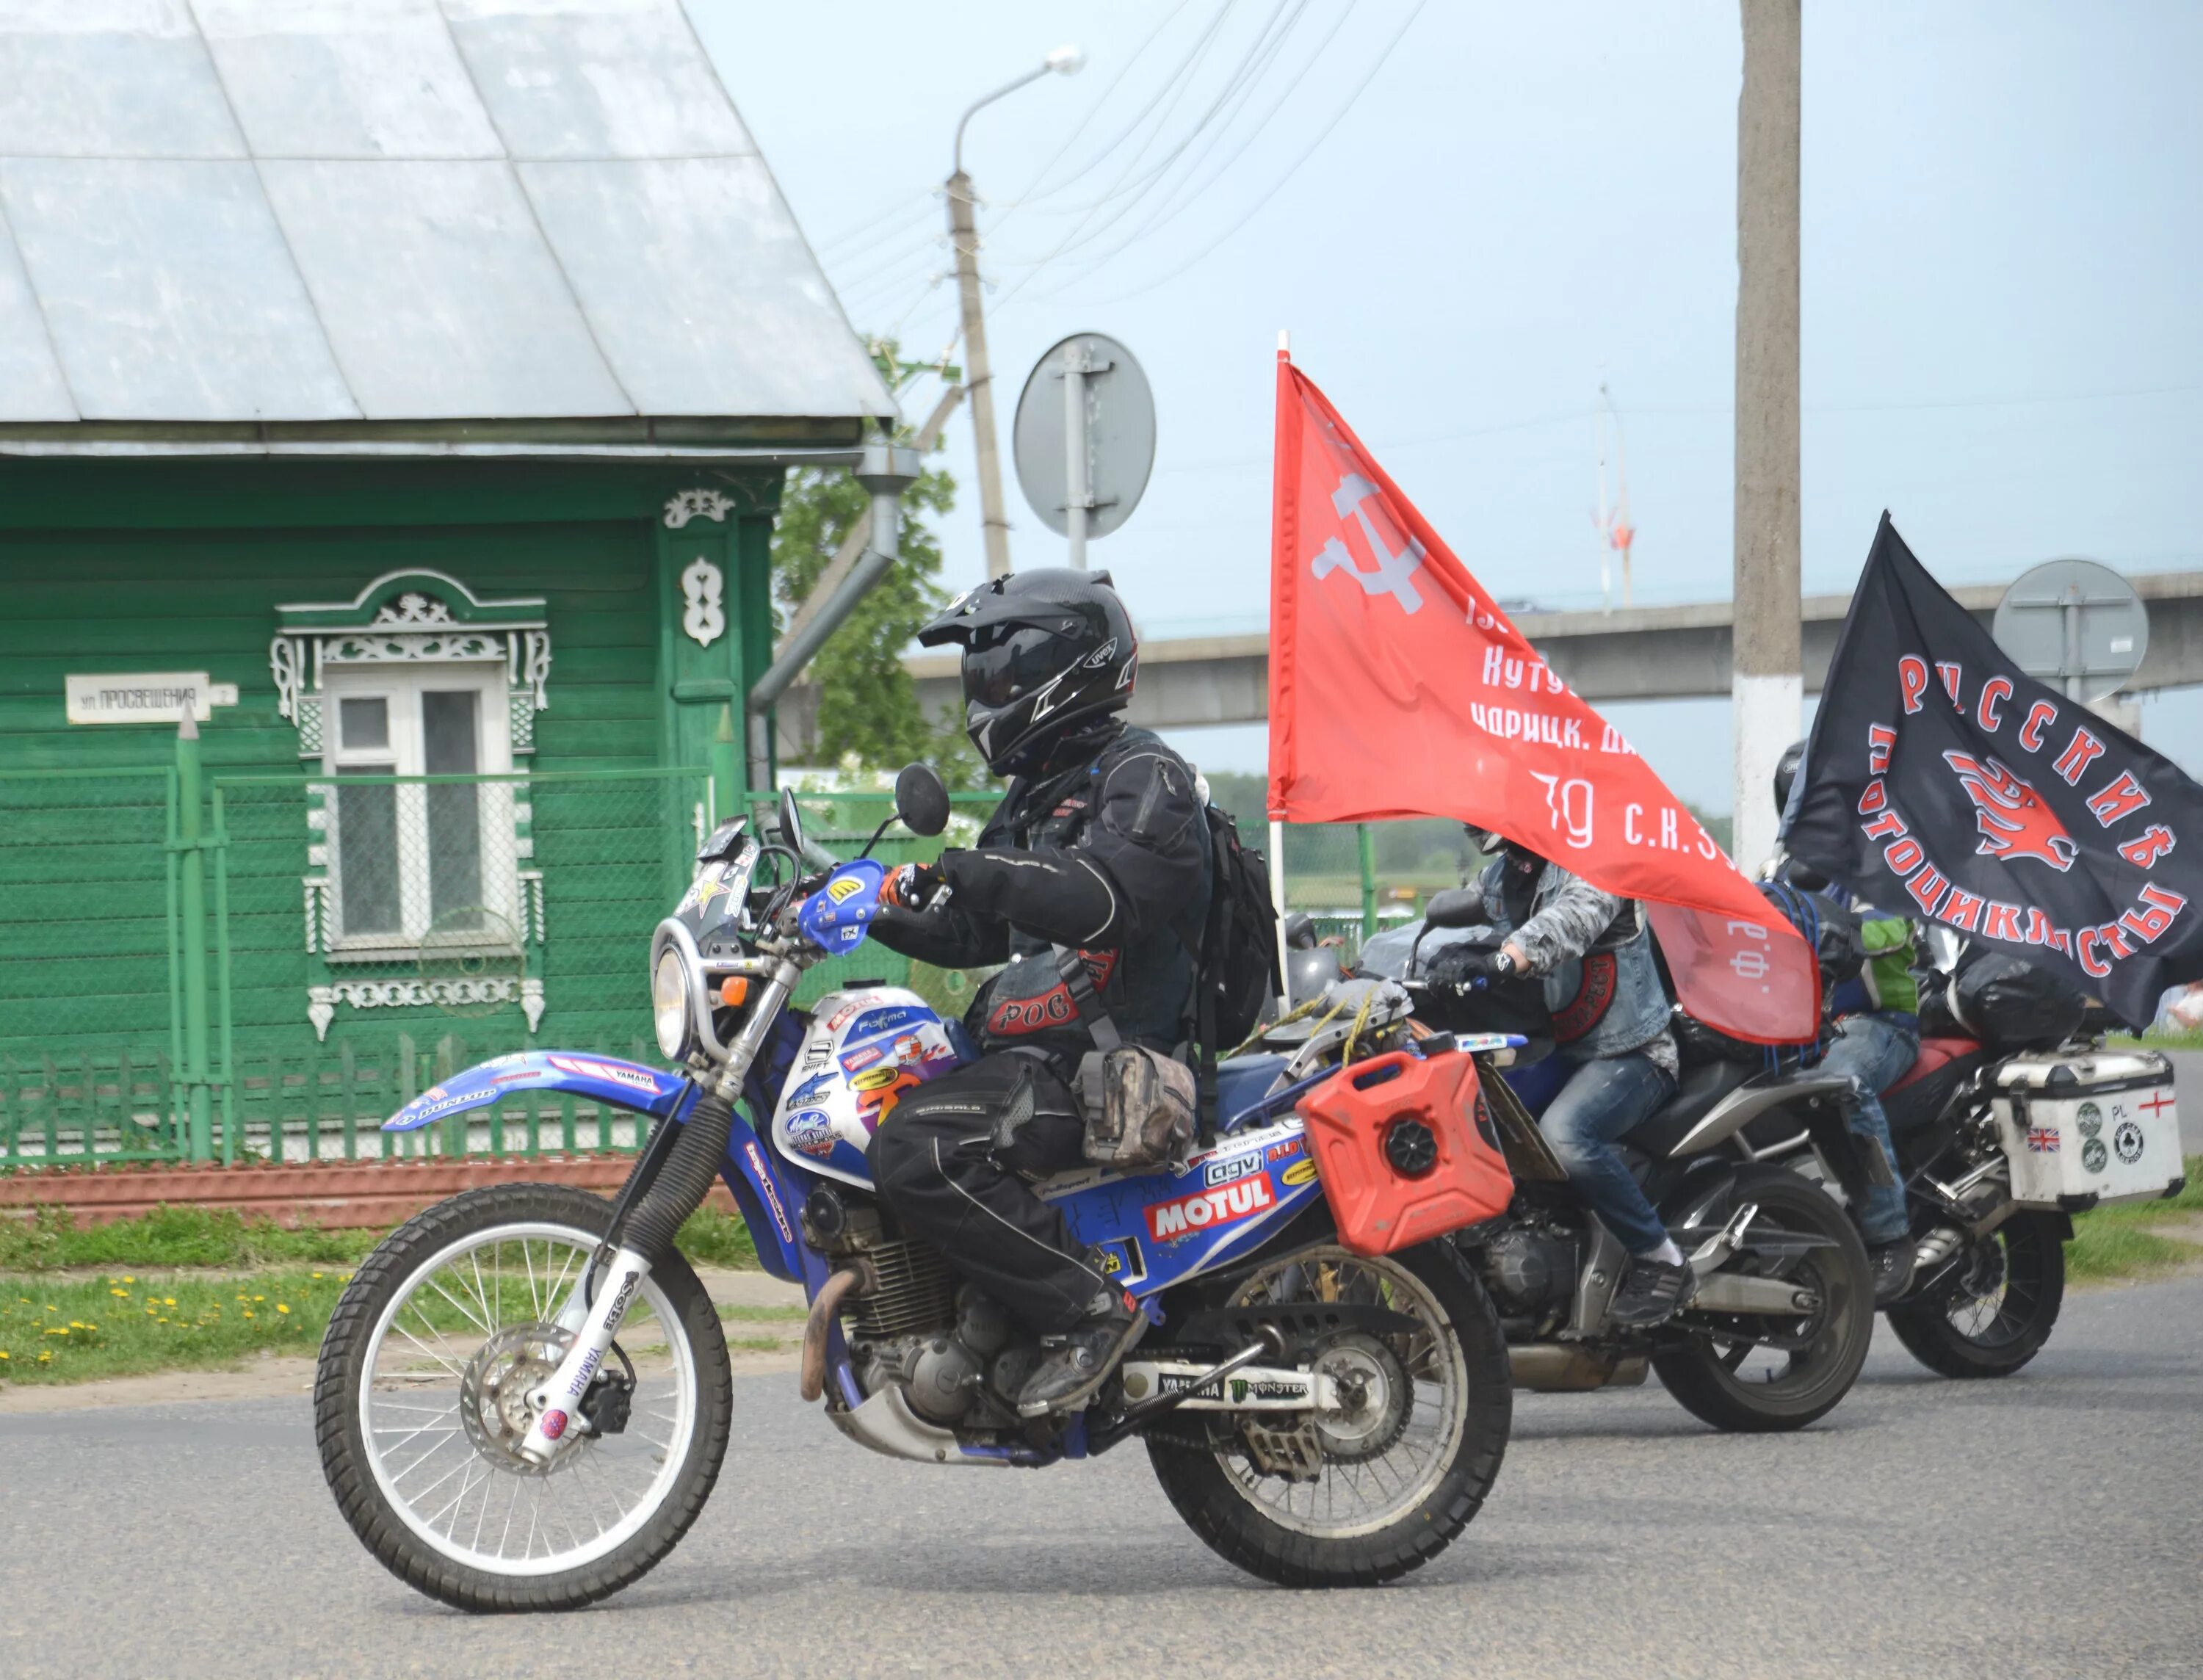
(525, 1396)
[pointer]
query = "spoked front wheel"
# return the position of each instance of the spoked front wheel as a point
(420, 1406)
(1381, 1484)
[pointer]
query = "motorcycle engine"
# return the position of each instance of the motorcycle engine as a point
(941, 1373)
(1532, 1269)
(914, 1327)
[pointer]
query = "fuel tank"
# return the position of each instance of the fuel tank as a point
(865, 1049)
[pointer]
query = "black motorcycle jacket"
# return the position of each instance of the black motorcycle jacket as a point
(1105, 852)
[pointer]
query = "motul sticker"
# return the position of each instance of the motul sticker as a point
(1171, 1221)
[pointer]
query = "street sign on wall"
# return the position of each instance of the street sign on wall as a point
(144, 697)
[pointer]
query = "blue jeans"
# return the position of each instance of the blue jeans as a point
(1875, 1052)
(1603, 1100)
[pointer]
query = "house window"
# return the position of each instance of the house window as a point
(419, 864)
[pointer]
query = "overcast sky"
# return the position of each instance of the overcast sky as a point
(2001, 259)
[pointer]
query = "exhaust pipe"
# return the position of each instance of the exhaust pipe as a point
(1556, 1368)
(856, 1279)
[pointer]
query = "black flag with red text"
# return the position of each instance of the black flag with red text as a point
(1941, 776)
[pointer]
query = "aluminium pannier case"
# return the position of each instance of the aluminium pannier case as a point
(2101, 1124)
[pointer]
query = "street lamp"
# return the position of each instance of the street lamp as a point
(964, 239)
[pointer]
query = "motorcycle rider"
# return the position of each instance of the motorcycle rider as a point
(1877, 1039)
(1594, 953)
(1091, 882)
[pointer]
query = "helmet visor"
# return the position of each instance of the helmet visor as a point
(1005, 661)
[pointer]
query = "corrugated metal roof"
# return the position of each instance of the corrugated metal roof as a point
(321, 210)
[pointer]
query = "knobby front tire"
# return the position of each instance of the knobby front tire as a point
(415, 1396)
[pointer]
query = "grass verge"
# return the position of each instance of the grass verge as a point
(187, 1288)
(79, 1329)
(175, 1237)
(2113, 1243)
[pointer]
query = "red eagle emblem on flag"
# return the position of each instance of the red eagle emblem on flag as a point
(2013, 820)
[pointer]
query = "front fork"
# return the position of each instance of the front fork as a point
(595, 1320)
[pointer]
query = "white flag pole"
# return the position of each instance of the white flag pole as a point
(1278, 829)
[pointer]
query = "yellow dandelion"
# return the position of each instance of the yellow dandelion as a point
(279, 1307)
(129, 1280)
(46, 1359)
(248, 1313)
(168, 1300)
(123, 1294)
(260, 1298)
(23, 1300)
(318, 1274)
(3, 1352)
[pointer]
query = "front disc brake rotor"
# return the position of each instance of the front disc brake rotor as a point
(493, 1391)
(1375, 1396)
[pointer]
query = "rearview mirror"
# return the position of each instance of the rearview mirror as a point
(921, 801)
(1455, 907)
(791, 822)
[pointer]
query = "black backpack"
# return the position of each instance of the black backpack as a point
(1236, 962)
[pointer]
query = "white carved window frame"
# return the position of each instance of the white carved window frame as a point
(413, 620)
(500, 808)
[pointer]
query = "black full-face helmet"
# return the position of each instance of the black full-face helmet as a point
(1044, 651)
(1786, 773)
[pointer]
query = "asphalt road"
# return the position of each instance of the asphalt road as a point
(2048, 1524)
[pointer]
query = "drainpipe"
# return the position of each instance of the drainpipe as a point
(887, 470)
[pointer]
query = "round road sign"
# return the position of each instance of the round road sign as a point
(2076, 624)
(1118, 416)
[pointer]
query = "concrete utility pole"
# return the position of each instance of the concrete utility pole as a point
(1766, 683)
(978, 372)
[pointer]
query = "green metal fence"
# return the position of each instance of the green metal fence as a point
(91, 1014)
(237, 966)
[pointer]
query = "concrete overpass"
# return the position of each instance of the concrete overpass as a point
(1646, 654)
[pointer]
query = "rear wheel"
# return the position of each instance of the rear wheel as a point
(1379, 1487)
(1999, 1306)
(1754, 1373)
(419, 1405)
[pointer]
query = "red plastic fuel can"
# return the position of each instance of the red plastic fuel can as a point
(1403, 1160)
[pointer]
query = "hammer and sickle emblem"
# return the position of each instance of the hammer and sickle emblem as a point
(1394, 572)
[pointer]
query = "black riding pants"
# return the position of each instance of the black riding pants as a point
(938, 1163)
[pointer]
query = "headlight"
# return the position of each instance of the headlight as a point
(669, 1004)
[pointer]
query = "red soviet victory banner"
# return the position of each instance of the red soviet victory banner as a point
(1398, 689)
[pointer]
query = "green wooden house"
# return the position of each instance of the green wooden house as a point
(404, 393)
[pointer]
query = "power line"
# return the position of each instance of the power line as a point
(1174, 89)
(1187, 193)
(1238, 88)
(1033, 187)
(902, 216)
(1292, 170)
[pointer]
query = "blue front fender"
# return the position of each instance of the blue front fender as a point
(768, 1192)
(604, 1079)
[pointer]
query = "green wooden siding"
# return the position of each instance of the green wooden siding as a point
(180, 566)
